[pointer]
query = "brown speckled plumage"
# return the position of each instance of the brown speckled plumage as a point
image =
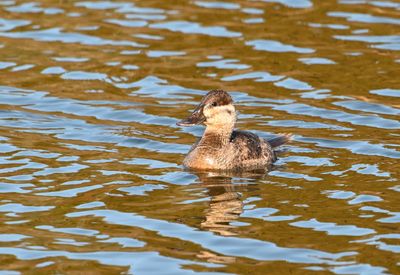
(221, 147)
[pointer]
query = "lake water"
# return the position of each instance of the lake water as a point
(90, 155)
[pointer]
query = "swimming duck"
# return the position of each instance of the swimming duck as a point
(221, 147)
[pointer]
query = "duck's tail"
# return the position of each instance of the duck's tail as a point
(280, 140)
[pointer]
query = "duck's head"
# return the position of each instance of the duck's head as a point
(215, 109)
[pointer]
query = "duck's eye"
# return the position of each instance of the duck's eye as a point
(214, 104)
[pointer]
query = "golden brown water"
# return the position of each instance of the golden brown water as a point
(91, 176)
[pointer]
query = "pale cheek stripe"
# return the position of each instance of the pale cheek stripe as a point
(223, 114)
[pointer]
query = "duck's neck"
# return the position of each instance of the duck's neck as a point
(216, 136)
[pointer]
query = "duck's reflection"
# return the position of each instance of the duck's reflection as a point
(226, 204)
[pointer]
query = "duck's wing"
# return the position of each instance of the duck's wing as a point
(248, 144)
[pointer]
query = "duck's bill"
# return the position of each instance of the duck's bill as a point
(195, 118)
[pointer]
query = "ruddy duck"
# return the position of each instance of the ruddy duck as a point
(221, 147)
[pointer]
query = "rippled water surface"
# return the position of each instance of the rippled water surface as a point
(90, 156)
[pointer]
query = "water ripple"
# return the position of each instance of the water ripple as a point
(276, 46)
(9, 24)
(57, 35)
(355, 119)
(365, 18)
(217, 5)
(292, 3)
(334, 229)
(225, 245)
(33, 8)
(195, 28)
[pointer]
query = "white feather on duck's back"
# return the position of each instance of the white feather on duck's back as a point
(221, 147)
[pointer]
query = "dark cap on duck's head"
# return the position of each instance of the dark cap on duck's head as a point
(212, 99)
(217, 98)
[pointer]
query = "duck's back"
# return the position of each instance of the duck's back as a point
(251, 150)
